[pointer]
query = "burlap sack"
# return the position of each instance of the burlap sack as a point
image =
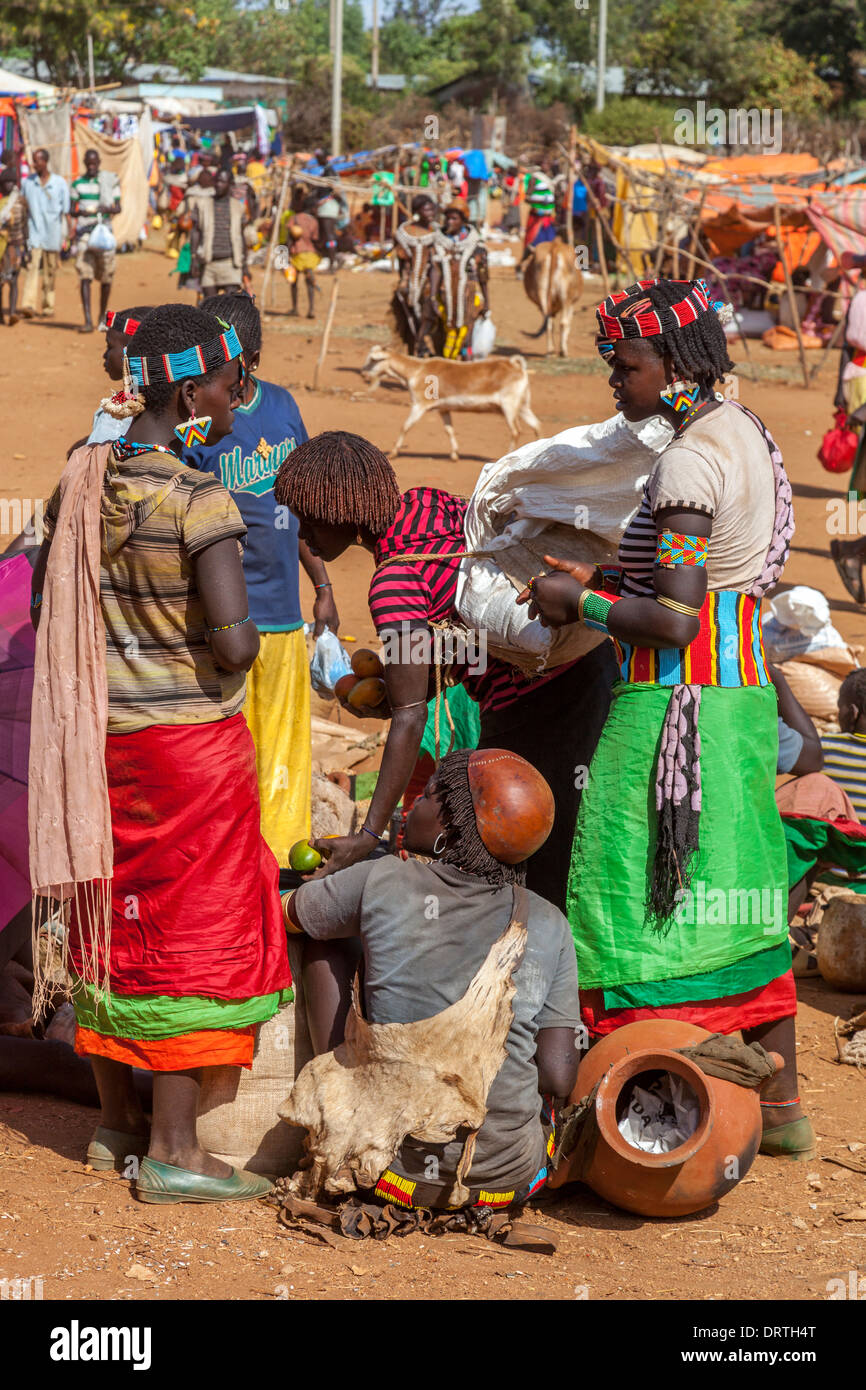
(237, 1118)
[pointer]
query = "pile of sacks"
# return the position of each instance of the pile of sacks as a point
(801, 640)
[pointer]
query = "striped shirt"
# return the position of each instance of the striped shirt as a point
(845, 764)
(420, 592)
(157, 516)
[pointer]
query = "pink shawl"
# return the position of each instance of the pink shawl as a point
(69, 813)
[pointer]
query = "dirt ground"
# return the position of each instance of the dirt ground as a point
(778, 1235)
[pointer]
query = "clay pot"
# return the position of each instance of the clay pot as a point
(842, 944)
(688, 1178)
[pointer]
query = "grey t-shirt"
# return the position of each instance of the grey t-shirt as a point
(426, 929)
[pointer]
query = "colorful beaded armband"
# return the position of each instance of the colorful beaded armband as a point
(594, 609)
(676, 549)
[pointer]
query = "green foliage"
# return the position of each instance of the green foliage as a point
(831, 35)
(630, 121)
(124, 32)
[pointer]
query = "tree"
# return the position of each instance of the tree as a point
(125, 32)
(832, 35)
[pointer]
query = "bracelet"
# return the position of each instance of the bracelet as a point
(36, 601)
(326, 585)
(677, 607)
(225, 627)
(593, 610)
(368, 831)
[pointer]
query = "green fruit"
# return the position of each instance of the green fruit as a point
(303, 858)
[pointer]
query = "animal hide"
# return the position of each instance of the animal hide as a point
(389, 1080)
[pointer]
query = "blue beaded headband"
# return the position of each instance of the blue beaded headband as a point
(193, 361)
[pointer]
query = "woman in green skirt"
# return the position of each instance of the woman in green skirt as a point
(678, 889)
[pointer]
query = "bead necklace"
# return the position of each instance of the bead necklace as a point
(126, 449)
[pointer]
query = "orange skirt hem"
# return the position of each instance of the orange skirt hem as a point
(213, 1047)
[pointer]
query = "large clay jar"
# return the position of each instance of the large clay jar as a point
(688, 1178)
(842, 944)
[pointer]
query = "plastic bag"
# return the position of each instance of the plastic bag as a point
(101, 238)
(483, 337)
(330, 661)
(839, 445)
(799, 622)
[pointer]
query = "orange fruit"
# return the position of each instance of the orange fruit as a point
(303, 858)
(366, 663)
(370, 691)
(345, 685)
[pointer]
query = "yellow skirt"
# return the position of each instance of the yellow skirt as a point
(277, 711)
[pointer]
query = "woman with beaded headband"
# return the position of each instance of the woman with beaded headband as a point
(678, 889)
(144, 808)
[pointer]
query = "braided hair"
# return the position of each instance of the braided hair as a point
(853, 689)
(698, 350)
(171, 328)
(240, 309)
(339, 479)
(464, 847)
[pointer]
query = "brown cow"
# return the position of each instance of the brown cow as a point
(553, 281)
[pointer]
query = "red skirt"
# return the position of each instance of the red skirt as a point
(195, 898)
(767, 1004)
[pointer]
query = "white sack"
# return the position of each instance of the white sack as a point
(571, 496)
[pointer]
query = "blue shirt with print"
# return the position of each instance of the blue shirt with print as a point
(246, 462)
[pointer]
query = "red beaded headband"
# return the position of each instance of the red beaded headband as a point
(642, 319)
(128, 327)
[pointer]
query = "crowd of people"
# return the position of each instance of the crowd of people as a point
(170, 743)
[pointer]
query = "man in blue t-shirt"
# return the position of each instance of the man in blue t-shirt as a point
(267, 427)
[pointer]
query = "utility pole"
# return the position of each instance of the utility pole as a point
(90, 62)
(601, 65)
(374, 56)
(331, 4)
(337, 79)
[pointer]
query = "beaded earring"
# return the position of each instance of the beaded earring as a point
(681, 396)
(194, 430)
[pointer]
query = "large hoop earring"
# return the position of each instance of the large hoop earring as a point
(443, 836)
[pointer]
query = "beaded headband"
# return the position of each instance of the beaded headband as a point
(642, 319)
(128, 326)
(193, 361)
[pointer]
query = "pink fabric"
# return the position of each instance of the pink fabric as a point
(17, 642)
(69, 814)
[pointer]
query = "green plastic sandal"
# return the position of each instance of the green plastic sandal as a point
(111, 1149)
(794, 1140)
(162, 1183)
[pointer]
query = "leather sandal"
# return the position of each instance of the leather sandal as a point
(794, 1140)
(163, 1183)
(112, 1148)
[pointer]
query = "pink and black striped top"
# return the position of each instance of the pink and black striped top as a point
(431, 522)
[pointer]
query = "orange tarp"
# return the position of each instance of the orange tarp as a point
(763, 168)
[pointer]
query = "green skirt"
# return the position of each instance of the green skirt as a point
(737, 906)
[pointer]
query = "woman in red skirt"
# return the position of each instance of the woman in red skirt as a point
(144, 810)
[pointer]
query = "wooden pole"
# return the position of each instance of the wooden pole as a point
(394, 205)
(569, 206)
(599, 212)
(327, 333)
(602, 259)
(831, 343)
(275, 232)
(693, 239)
(792, 298)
